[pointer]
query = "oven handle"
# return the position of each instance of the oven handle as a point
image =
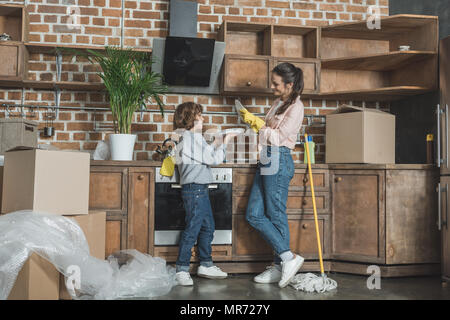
(178, 186)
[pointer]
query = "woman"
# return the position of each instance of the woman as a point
(266, 210)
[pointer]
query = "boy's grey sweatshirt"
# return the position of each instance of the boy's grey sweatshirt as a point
(194, 156)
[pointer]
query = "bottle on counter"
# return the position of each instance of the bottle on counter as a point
(430, 148)
(311, 146)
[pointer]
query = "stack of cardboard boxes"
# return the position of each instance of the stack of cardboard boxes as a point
(54, 182)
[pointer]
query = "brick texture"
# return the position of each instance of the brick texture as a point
(99, 23)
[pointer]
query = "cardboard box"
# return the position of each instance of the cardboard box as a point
(18, 132)
(360, 135)
(94, 228)
(47, 181)
(40, 280)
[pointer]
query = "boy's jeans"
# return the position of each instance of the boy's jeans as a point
(199, 226)
(266, 209)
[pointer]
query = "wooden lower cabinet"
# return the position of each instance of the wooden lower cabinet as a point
(385, 217)
(170, 253)
(366, 216)
(248, 243)
(126, 194)
(358, 215)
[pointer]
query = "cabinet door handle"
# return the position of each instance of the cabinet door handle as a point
(438, 189)
(337, 179)
(305, 180)
(141, 177)
(304, 202)
(249, 83)
(446, 134)
(304, 226)
(438, 113)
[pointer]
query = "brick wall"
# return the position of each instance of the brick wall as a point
(100, 23)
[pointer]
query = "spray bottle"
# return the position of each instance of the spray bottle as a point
(311, 146)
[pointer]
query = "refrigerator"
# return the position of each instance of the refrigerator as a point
(443, 161)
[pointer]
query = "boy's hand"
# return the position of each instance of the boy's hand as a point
(228, 137)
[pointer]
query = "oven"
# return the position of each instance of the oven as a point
(170, 213)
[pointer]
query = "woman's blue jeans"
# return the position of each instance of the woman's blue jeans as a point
(266, 209)
(199, 226)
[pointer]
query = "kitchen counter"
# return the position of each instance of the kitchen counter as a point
(150, 163)
(361, 209)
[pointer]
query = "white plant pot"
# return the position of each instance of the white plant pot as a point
(122, 146)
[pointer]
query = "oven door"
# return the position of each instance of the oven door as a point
(170, 213)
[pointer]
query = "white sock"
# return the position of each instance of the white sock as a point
(286, 256)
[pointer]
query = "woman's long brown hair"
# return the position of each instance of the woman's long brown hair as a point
(290, 74)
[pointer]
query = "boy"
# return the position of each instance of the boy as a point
(194, 156)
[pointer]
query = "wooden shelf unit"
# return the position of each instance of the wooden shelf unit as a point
(253, 49)
(362, 63)
(14, 56)
(346, 61)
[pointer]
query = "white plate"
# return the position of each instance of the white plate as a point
(234, 131)
(238, 105)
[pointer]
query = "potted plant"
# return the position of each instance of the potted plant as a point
(130, 83)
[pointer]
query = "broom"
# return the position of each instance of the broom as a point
(310, 282)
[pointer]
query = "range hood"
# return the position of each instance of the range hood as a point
(183, 24)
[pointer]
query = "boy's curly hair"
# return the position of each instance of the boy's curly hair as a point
(185, 115)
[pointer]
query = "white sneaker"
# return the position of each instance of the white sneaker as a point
(271, 275)
(211, 272)
(289, 269)
(184, 278)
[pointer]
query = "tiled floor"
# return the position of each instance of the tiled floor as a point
(350, 287)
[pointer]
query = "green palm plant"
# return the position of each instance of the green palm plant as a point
(129, 81)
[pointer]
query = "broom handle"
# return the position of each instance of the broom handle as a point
(314, 204)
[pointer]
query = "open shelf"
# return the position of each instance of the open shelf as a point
(14, 21)
(52, 48)
(380, 94)
(391, 27)
(295, 41)
(378, 62)
(353, 39)
(68, 85)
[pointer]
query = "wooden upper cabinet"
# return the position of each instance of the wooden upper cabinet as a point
(358, 213)
(246, 74)
(253, 49)
(311, 72)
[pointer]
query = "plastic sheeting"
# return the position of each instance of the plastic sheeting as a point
(124, 275)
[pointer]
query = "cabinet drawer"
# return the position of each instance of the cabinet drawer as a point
(303, 238)
(170, 253)
(310, 70)
(246, 74)
(248, 244)
(301, 180)
(243, 180)
(297, 203)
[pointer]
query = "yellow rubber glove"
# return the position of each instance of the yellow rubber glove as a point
(168, 166)
(253, 121)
